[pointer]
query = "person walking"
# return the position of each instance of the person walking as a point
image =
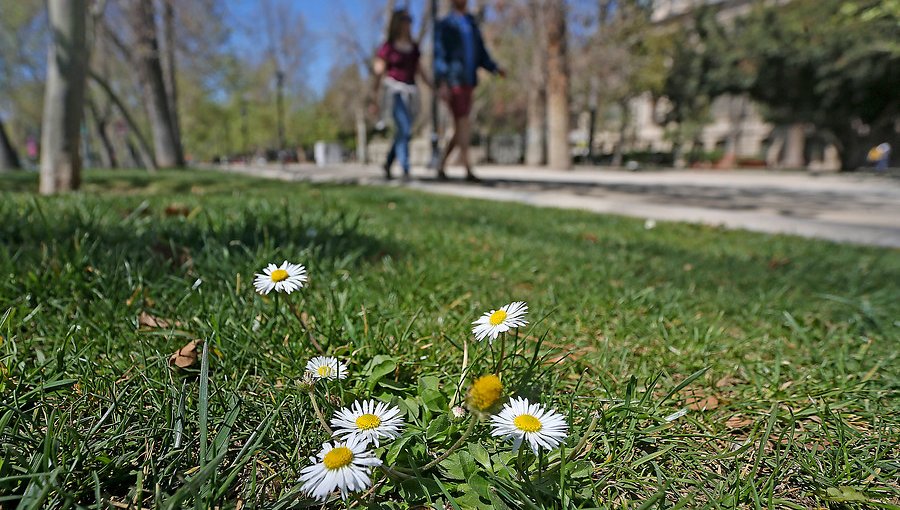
(396, 65)
(458, 53)
(880, 156)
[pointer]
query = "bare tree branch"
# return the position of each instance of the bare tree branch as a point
(143, 147)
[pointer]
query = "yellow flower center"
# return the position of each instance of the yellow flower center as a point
(368, 421)
(324, 371)
(485, 392)
(279, 275)
(338, 457)
(527, 423)
(497, 317)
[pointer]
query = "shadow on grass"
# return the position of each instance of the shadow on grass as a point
(168, 226)
(132, 182)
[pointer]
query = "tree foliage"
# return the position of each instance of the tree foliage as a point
(832, 64)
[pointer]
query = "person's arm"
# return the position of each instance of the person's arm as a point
(440, 55)
(423, 75)
(378, 68)
(379, 65)
(484, 57)
(441, 67)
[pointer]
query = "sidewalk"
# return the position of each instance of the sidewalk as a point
(854, 208)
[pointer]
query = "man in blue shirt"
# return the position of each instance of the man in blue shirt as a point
(458, 53)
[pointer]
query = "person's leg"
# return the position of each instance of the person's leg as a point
(446, 155)
(390, 159)
(453, 105)
(463, 127)
(464, 135)
(403, 123)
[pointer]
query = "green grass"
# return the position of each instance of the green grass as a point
(792, 344)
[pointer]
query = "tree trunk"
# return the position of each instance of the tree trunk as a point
(147, 61)
(795, 147)
(424, 25)
(389, 7)
(169, 66)
(592, 118)
(143, 147)
(604, 9)
(279, 108)
(619, 150)
(852, 154)
(678, 159)
(773, 152)
(9, 159)
(63, 97)
(536, 110)
(558, 154)
(362, 156)
(106, 150)
(480, 11)
(737, 112)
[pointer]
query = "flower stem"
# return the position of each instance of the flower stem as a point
(462, 373)
(299, 316)
(577, 450)
(459, 442)
(502, 354)
(519, 468)
(393, 473)
(312, 398)
(584, 438)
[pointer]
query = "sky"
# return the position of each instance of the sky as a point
(323, 18)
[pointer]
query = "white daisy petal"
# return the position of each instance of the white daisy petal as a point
(326, 367)
(343, 466)
(521, 421)
(368, 421)
(493, 323)
(285, 278)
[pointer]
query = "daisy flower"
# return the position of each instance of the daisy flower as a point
(344, 466)
(519, 420)
(326, 367)
(368, 421)
(485, 393)
(286, 278)
(492, 323)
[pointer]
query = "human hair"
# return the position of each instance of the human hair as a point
(394, 27)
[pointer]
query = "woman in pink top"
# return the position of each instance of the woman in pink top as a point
(396, 66)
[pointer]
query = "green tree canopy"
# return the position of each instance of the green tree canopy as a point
(829, 63)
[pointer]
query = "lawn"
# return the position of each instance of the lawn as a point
(721, 369)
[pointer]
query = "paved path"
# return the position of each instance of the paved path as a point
(855, 208)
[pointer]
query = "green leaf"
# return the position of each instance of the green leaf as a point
(411, 407)
(844, 494)
(437, 426)
(429, 382)
(480, 455)
(480, 486)
(468, 463)
(580, 469)
(459, 466)
(453, 468)
(496, 502)
(398, 446)
(471, 500)
(381, 366)
(434, 400)
(391, 385)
